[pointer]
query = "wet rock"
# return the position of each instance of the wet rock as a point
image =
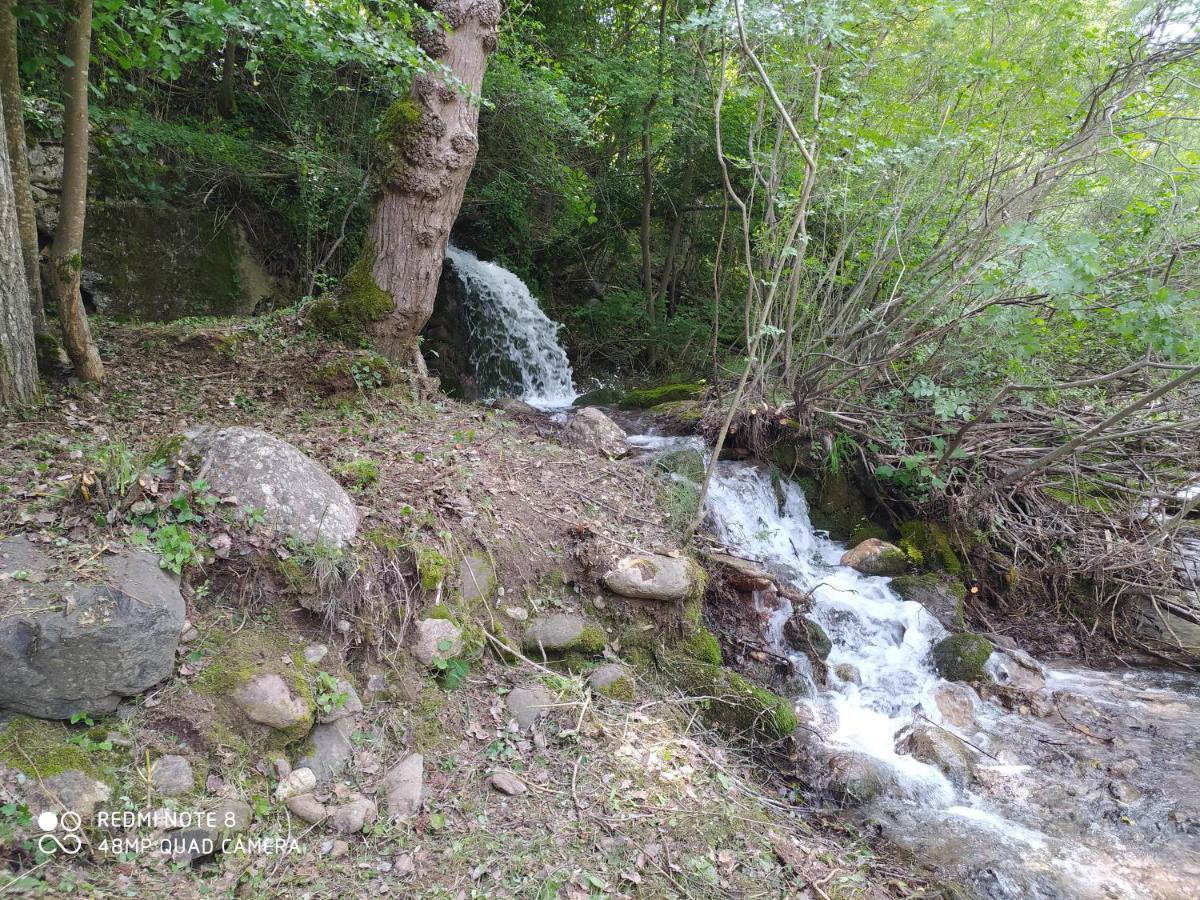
(941, 598)
(1123, 792)
(855, 778)
(938, 747)
(268, 700)
(68, 645)
(612, 680)
(956, 702)
(350, 706)
(590, 429)
(402, 786)
(436, 639)
(507, 783)
(1017, 670)
(354, 815)
(332, 749)
(847, 672)
(307, 808)
(808, 636)
(562, 632)
(652, 576)
(876, 557)
(171, 776)
(298, 781)
(528, 703)
(68, 791)
(962, 657)
(296, 494)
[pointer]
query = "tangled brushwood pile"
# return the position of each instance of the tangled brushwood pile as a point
(1078, 501)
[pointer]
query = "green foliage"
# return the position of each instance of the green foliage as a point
(360, 473)
(328, 694)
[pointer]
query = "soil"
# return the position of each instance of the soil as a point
(625, 798)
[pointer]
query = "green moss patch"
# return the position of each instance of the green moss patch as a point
(41, 749)
(432, 567)
(645, 398)
(359, 302)
(927, 544)
(961, 657)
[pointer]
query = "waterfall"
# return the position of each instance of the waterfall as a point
(513, 344)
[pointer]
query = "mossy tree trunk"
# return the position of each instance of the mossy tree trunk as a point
(66, 259)
(427, 148)
(18, 371)
(18, 154)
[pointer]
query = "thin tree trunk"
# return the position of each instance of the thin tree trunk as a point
(18, 154)
(427, 148)
(18, 368)
(227, 96)
(66, 259)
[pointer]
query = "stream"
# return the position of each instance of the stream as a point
(1081, 784)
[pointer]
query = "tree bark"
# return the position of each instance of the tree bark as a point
(18, 368)
(227, 96)
(66, 260)
(427, 148)
(18, 155)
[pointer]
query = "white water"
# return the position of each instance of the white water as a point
(887, 639)
(514, 345)
(1038, 819)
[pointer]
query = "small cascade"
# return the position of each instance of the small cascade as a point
(1053, 808)
(513, 344)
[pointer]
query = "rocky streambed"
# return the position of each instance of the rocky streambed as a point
(1011, 777)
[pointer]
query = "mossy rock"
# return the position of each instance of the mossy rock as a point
(241, 658)
(927, 544)
(682, 412)
(737, 704)
(944, 598)
(866, 529)
(962, 657)
(41, 748)
(49, 353)
(645, 398)
(602, 396)
(432, 567)
(835, 504)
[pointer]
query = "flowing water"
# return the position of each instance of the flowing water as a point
(1094, 795)
(514, 346)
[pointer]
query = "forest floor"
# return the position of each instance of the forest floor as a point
(625, 798)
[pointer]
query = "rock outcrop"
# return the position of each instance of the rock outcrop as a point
(296, 494)
(962, 657)
(78, 640)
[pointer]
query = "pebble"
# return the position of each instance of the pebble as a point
(507, 783)
(314, 653)
(298, 781)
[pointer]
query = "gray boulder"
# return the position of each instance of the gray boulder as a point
(652, 576)
(938, 747)
(70, 646)
(942, 599)
(296, 494)
(590, 429)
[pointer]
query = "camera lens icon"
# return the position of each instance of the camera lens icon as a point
(71, 824)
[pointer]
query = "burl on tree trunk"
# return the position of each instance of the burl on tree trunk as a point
(426, 149)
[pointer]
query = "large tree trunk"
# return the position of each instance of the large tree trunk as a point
(66, 259)
(427, 148)
(18, 154)
(18, 369)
